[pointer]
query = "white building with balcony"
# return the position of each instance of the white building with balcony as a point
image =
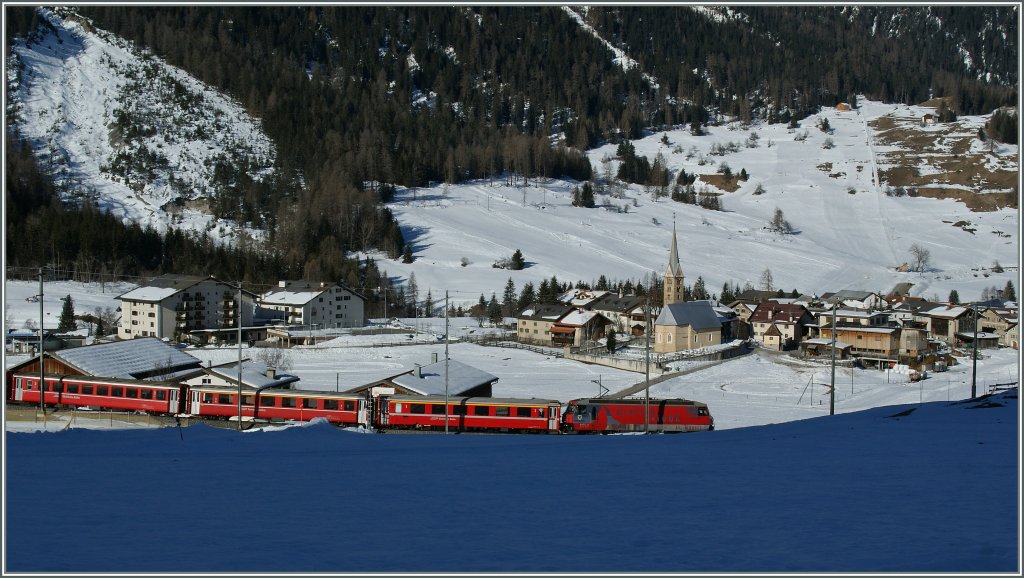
(317, 305)
(173, 306)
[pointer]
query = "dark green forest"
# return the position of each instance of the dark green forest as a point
(491, 89)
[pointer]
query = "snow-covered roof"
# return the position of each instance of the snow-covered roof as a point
(132, 359)
(286, 297)
(947, 312)
(863, 329)
(254, 374)
(461, 378)
(149, 294)
(578, 318)
(820, 341)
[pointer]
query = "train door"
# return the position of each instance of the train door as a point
(362, 414)
(18, 389)
(172, 401)
(553, 412)
(196, 396)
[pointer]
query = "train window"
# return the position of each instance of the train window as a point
(247, 400)
(116, 392)
(459, 409)
(161, 395)
(702, 411)
(437, 408)
(87, 389)
(102, 390)
(540, 412)
(501, 411)
(146, 393)
(331, 404)
(417, 408)
(72, 388)
(207, 398)
(481, 410)
(522, 412)
(223, 398)
(287, 402)
(309, 403)
(350, 405)
(131, 392)
(268, 401)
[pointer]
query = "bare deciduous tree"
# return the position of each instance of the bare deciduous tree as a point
(920, 258)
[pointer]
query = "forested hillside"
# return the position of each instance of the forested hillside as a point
(359, 99)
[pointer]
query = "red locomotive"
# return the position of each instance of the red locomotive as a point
(468, 414)
(624, 415)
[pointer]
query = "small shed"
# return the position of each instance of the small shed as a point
(819, 347)
(842, 107)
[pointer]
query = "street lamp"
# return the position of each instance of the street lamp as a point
(974, 356)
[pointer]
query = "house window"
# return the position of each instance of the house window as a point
(151, 314)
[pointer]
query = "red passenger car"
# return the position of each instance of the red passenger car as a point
(467, 413)
(624, 415)
(288, 404)
(100, 392)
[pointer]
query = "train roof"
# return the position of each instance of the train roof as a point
(635, 401)
(102, 380)
(474, 400)
(276, 391)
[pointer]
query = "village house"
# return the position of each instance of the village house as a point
(462, 380)
(255, 375)
(855, 299)
(779, 326)
(180, 308)
(686, 325)
(998, 320)
(578, 328)
(313, 304)
(533, 325)
(626, 312)
(946, 321)
(870, 343)
(142, 358)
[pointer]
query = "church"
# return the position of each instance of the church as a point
(683, 325)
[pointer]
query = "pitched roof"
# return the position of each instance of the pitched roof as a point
(674, 268)
(131, 359)
(777, 312)
(612, 302)
(696, 314)
(545, 312)
(461, 378)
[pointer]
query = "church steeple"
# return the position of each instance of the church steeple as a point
(673, 282)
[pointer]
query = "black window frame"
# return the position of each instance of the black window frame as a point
(145, 393)
(309, 403)
(87, 389)
(481, 410)
(102, 390)
(331, 404)
(349, 405)
(268, 401)
(287, 402)
(116, 391)
(502, 411)
(161, 395)
(72, 388)
(418, 408)
(523, 412)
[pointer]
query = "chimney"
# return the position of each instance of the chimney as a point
(271, 373)
(433, 357)
(419, 371)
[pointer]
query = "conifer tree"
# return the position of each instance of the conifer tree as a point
(67, 316)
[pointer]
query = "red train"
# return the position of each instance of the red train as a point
(394, 412)
(623, 415)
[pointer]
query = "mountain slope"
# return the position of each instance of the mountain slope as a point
(139, 138)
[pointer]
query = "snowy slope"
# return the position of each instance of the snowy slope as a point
(930, 488)
(842, 240)
(72, 87)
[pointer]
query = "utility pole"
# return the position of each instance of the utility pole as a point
(42, 386)
(238, 313)
(974, 366)
(832, 395)
(647, 370)
(446, 361)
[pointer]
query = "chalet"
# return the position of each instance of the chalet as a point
(860, 317)
(854, 299)
(462, 380)
(780, 326)
(626, 312)
(998, 319)
(686, 325)
(581, 298)
(255, 375)
(946, 321)
(873, 343)
(578, 328)
(533, 325)
(175, 306)
(143, 358)
(313, 304)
